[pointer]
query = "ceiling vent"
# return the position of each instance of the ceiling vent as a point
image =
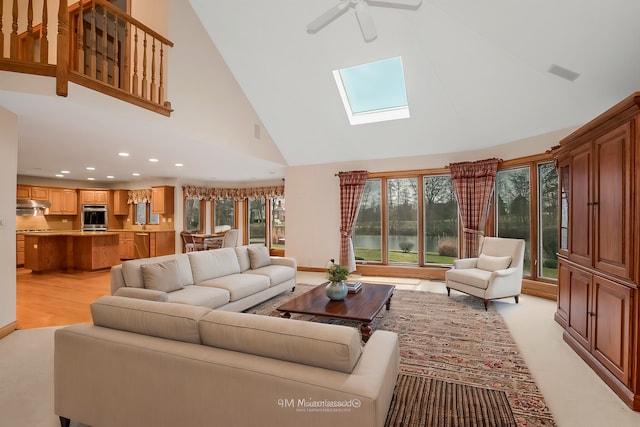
(563, 72)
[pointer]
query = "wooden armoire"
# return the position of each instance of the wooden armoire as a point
(599, 245)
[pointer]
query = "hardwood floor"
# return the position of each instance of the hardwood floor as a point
(57, 298)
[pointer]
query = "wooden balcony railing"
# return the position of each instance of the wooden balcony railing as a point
(97, 46)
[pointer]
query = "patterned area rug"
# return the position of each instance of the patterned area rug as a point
(455, 340)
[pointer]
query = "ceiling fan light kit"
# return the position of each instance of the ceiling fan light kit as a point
(367, 26)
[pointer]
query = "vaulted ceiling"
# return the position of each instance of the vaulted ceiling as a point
(477, 75)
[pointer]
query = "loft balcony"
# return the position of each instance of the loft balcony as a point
(95, 45)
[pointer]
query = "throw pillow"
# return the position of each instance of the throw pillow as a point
(259, 256)
(493, 263)
(161, 276)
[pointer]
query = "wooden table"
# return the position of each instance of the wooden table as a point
(204, 241)
(359, 307)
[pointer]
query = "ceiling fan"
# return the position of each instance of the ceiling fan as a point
(367, 26)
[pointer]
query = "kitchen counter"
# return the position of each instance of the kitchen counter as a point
(60, 250)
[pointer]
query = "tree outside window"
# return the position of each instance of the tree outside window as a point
(224, 212)
(277, 223)
(192, 214)
(440, 220)
(256, 224)
(548, 221)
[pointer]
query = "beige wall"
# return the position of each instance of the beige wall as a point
(313, 194)
(9, 156)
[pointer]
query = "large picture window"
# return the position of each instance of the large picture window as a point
(192, 215)
(548, 221)
(224, 212)
(277, 223)
(402, 214)
(440, 220)
(367, 230)
(256, 224)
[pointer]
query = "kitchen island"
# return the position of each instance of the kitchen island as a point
(62, 250)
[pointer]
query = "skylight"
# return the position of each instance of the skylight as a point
(373, 92)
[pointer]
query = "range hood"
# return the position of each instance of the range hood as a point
(26, 207)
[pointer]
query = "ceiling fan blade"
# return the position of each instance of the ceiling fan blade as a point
(367, 26)
(402, 3)
(331, 14)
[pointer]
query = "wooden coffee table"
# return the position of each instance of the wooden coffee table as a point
(359, 307)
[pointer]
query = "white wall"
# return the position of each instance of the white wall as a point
(313, 193)
(8, 171)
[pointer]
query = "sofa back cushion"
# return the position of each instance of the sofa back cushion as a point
(242, 254)
(132, 272)
(215, 263)
(161, 276)
(326, 346)
(159, 319)
(258, 256)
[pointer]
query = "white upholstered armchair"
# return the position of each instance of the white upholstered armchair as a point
(495, 273)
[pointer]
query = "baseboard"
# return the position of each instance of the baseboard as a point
(7, 329)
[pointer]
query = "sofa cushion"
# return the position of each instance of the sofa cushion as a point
(259, 256)
(133, 274)
(493, 263)
(470, 276)
(326, 346)
(200, 295)
(210, 264)
(161, 276)
(243, 257)
(159, 319)
(276, 273)
(238, 285)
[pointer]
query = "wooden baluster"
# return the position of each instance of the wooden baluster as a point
(80, 38)
(135, 64)
(160, 87)
(144, 66)
(1, 32)
(44, 41)
(93, 57)
(116, 52)
(125, 64)
(29, 39)
(105, 53)
(62, 66)
(153, 71)
(13, 39)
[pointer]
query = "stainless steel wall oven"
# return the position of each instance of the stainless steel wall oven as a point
(94, 218)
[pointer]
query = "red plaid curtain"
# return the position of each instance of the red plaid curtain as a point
(351, 189)
(474, 182)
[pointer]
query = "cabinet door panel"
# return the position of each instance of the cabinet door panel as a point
(612, 203)
(611, 329)
(581, 211)
(579, 318)
(564, 299)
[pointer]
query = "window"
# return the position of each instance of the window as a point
(373, 92)
(277, 222)
(402, 214)
(547, 221)
(224, 212)
(367, 234)
(440, 220)
(513, 208)
(192, 214)
(256, 224)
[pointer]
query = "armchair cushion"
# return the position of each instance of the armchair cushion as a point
(470, 276)
(493, 263)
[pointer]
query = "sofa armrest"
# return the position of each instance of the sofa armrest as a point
(287, 262)
(465, 263)
(142, 293)
(116, 278)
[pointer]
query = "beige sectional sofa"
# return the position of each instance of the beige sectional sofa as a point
(145, 363)
(231, 279)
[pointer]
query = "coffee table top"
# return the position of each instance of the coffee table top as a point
(361, 306)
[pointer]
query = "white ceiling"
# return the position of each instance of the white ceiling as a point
(476, 75)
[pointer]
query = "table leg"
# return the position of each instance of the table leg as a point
(389, 302)
(365, 331)
(286, 315)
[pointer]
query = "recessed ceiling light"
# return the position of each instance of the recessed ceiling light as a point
(179, 165)
(90, 168)
(59, 175)
(65, 172)
(135, 174)
(110, 176)
(123, 154)
(153, 160)
(91, 179)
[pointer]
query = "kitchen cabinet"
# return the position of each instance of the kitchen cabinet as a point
(146, 243)
(599, 254)
(64, 201)
(120, 206)
(162, 243)
(19, 249)
(94, 197)
(162, 200)
(32, 192)
(126, 245)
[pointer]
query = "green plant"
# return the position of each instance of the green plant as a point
(406, 247)
(336, 273)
